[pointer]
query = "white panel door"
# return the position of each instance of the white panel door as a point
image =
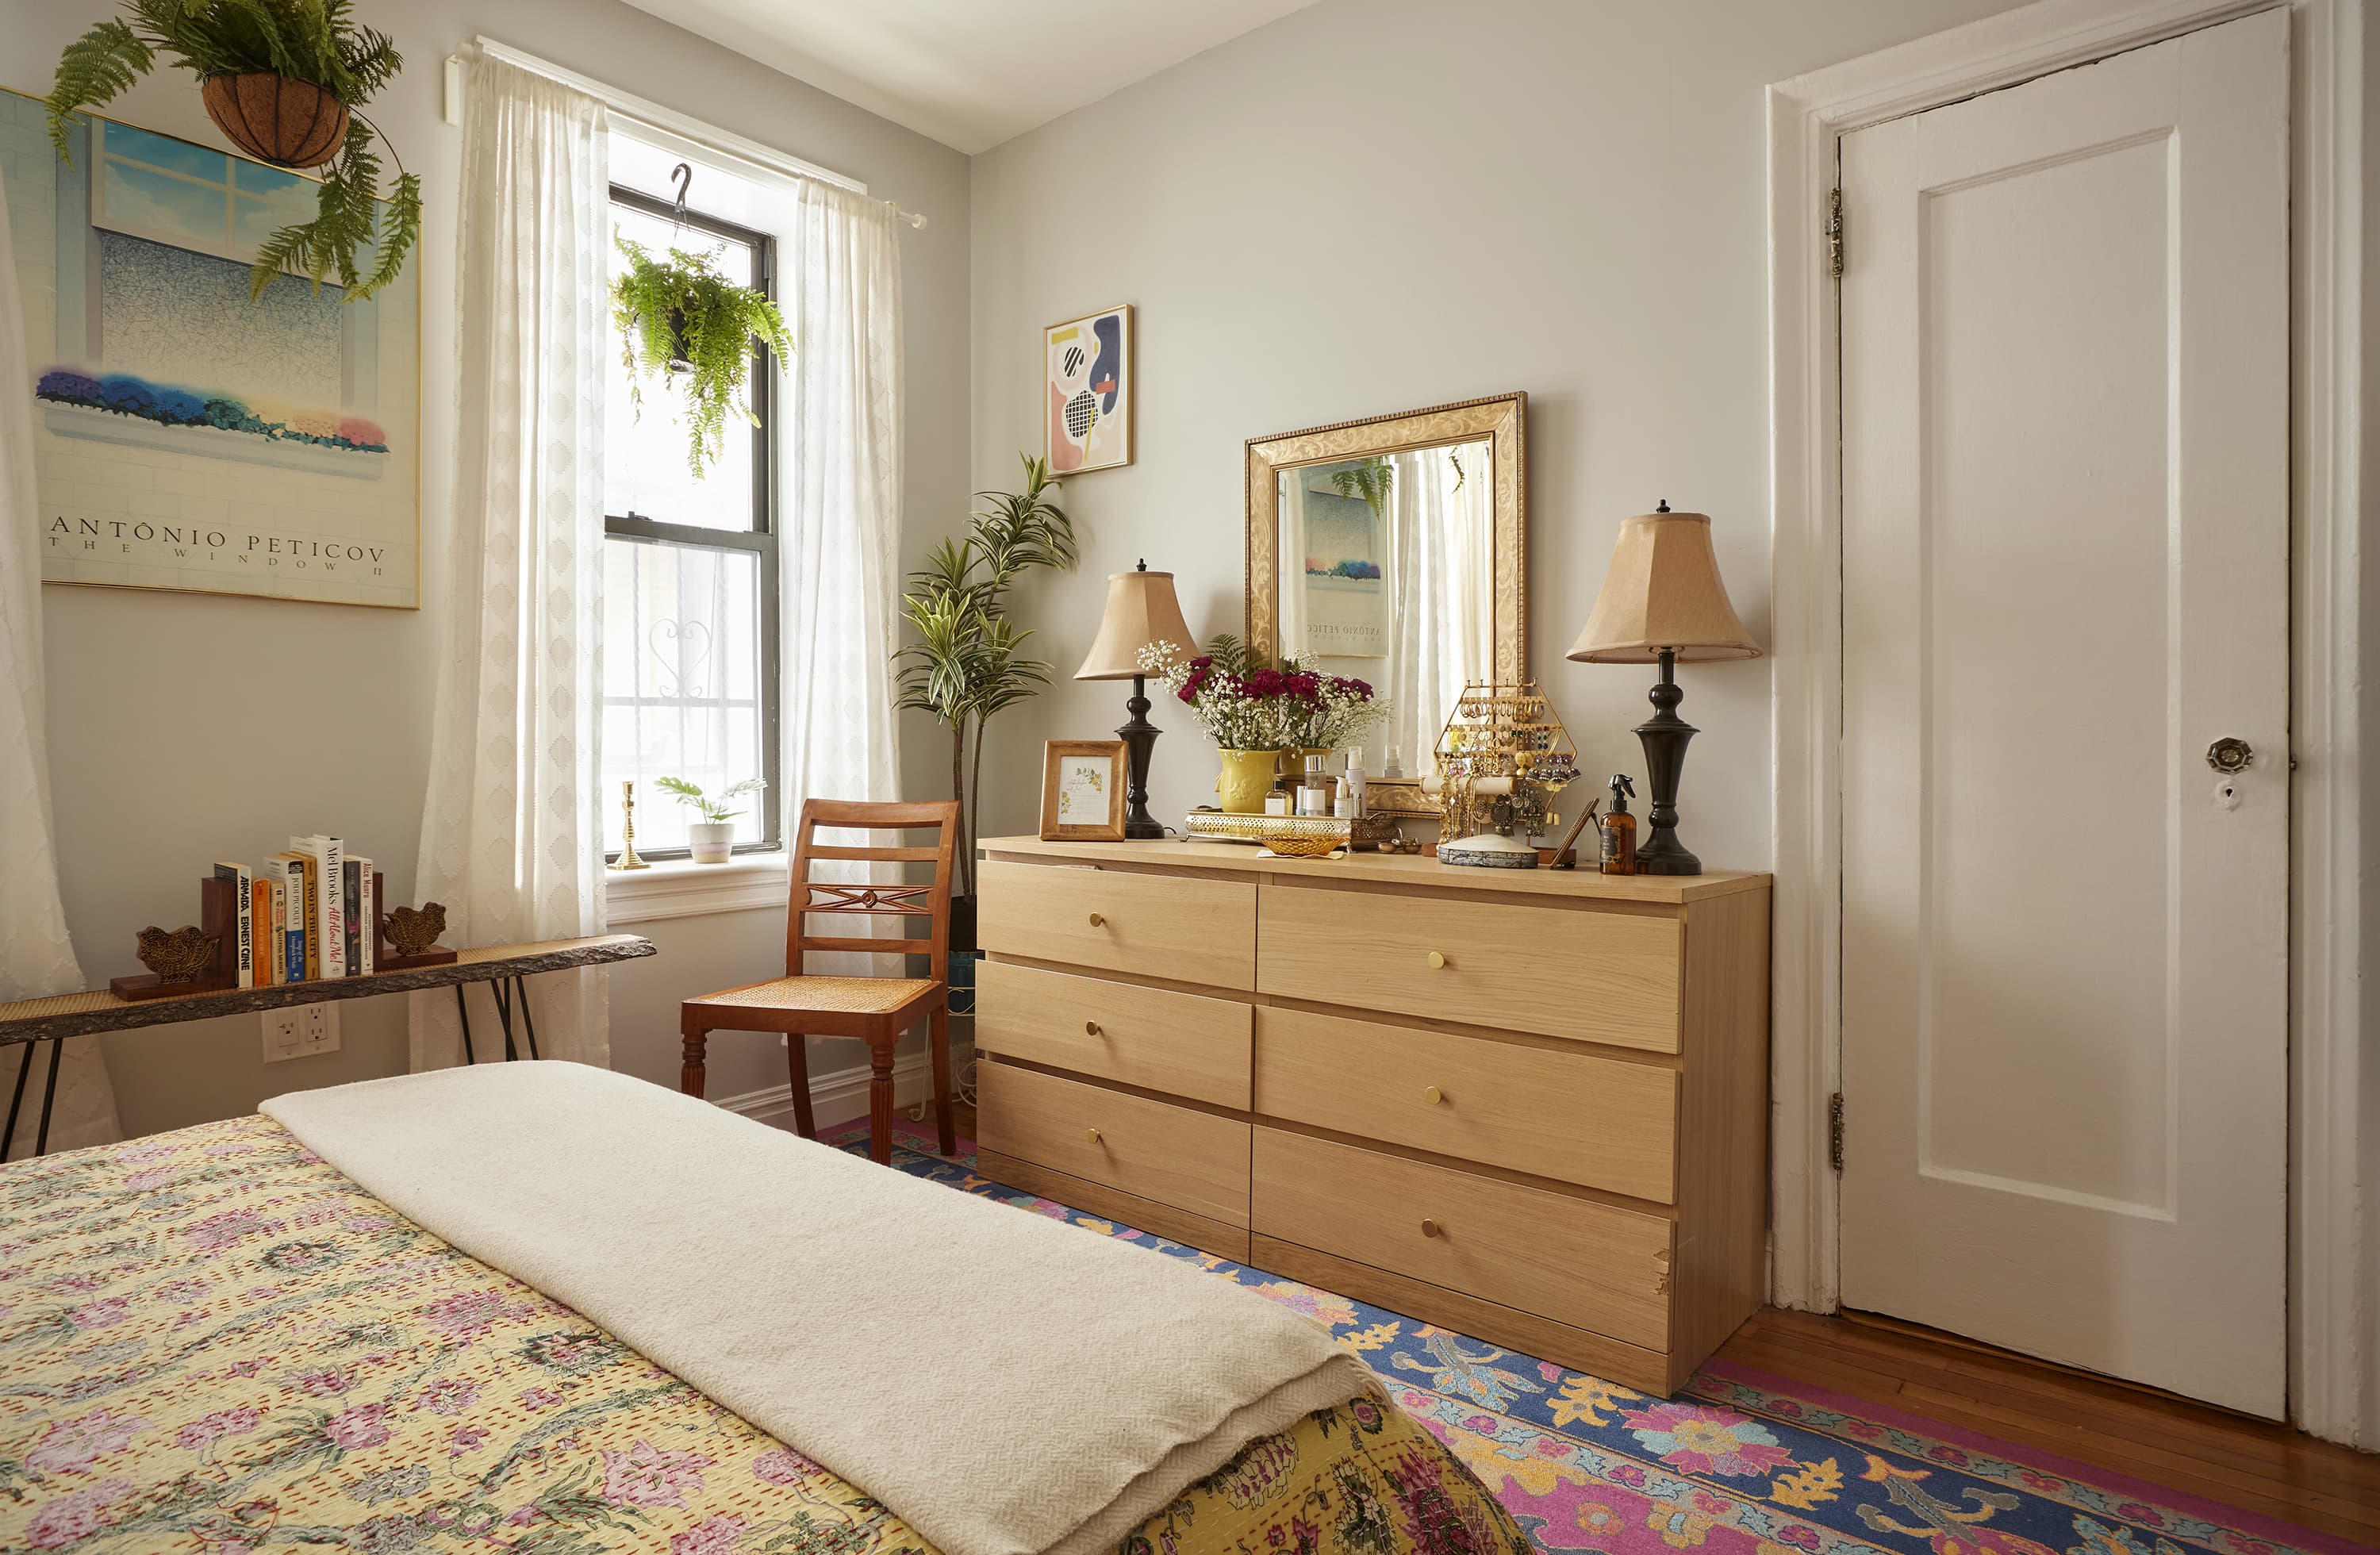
(2065, 358)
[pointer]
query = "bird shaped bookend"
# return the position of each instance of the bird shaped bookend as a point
(409, 936)
(412, 931)
(182, 956)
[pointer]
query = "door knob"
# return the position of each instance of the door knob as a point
(2231, 754)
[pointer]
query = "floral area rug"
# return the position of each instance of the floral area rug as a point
(1743, 1464)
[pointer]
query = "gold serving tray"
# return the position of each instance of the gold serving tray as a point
(1217, 826)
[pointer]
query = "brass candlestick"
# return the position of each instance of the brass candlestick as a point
(628, 860)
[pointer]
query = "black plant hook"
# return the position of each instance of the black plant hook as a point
(682, 176)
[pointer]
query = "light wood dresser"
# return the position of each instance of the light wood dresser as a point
(1529, 1105)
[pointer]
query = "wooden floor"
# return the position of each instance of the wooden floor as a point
(2133, 1431)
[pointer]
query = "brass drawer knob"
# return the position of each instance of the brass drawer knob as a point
(1091, 1029)
(1098, 922)
(1436, 958)
(1431, 1228)
(1090, 1136)
(1433, 1096)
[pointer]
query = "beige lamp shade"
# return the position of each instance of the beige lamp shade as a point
(1663, 590)
(1141, 610)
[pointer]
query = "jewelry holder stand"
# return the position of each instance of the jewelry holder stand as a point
(218, 917)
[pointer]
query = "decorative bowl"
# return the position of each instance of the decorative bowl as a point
(1292, 844)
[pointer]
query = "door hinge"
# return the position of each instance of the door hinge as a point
(1835, 1131)
(1835, 235)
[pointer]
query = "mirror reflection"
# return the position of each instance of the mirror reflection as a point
(1387, 574)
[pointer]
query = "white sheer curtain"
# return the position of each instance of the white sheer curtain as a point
(1442, 537)
(36, 956)
(840, 570)
(512, 831)
(841, 516)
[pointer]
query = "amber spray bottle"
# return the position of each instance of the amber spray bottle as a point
(1619, 829)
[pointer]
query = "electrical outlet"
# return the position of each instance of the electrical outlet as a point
(301, 1031)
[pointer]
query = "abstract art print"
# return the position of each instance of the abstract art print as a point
(1088, 366)
(1342, 511)
(186, 436)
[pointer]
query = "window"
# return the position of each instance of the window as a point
(690, 579)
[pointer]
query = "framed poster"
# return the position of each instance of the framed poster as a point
(1088, 404)
(186, 437)
(1341, 510)
(1082, 791)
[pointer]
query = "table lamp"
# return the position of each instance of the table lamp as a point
(1662, 602)
(1141, 610)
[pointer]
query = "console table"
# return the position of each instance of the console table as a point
(29, 1022)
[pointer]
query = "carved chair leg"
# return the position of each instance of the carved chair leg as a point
(689, 1074)
(945, 1126)
(797, 1070)
(879, 1097)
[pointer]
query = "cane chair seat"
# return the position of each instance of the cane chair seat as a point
(876, 1011)
(824, 995)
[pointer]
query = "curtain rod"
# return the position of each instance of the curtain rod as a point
(656, 118)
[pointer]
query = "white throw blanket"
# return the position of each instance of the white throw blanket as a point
(1007, 1384)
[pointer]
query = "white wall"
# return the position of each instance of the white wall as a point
(1376, 205)
(157, 719)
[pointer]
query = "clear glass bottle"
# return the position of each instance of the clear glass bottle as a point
(1313, 792)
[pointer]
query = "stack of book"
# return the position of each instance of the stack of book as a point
(306, 913)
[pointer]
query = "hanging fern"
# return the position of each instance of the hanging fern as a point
(312, 41)
(1368, 480)
(682, 319)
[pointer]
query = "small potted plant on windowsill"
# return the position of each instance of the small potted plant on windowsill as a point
(713, 837)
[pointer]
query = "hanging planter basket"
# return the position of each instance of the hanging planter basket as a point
(681, 349)
(275, 118)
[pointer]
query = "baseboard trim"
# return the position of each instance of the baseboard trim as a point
(841, 1095)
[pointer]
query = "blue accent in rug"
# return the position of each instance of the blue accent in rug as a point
(1739, 1462)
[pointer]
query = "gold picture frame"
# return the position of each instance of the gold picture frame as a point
(1502, 419)
(1073, 771)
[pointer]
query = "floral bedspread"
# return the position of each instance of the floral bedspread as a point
(213, 1342)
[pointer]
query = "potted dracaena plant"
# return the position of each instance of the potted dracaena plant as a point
(682, 320)
(286, 81)
(712, 838)
(968, 664)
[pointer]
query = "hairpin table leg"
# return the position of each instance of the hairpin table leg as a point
(24, 1069)
(49, 1095)
(520, 989)
(465, 1011)
(503, 998)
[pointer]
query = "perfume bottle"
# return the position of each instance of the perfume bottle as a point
(1314, 793)
(1354, 780)
(1619, 829)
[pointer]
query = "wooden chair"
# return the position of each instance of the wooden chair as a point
(876, 1009)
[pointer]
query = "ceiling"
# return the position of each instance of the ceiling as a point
(969, 73)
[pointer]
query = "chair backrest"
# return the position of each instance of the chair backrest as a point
(828, 897)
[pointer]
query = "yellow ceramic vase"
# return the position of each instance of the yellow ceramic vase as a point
(1247, 778)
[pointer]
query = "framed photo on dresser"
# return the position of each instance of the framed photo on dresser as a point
(1082, 791)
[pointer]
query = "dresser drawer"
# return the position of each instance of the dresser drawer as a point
(1145, 1037)
(1191, 1160)
(1588, 1265)
(1603, 1122)
(1594, 977)
(1187, 929)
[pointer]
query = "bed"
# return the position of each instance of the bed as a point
(215, 1341)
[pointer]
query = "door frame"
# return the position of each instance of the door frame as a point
(2333, 1381)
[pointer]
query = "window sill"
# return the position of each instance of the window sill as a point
(681, 888)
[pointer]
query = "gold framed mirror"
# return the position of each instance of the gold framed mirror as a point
(1395, 549)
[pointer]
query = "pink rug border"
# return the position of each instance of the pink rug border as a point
(2256, 1522)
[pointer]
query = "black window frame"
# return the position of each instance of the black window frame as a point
(760, 540)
